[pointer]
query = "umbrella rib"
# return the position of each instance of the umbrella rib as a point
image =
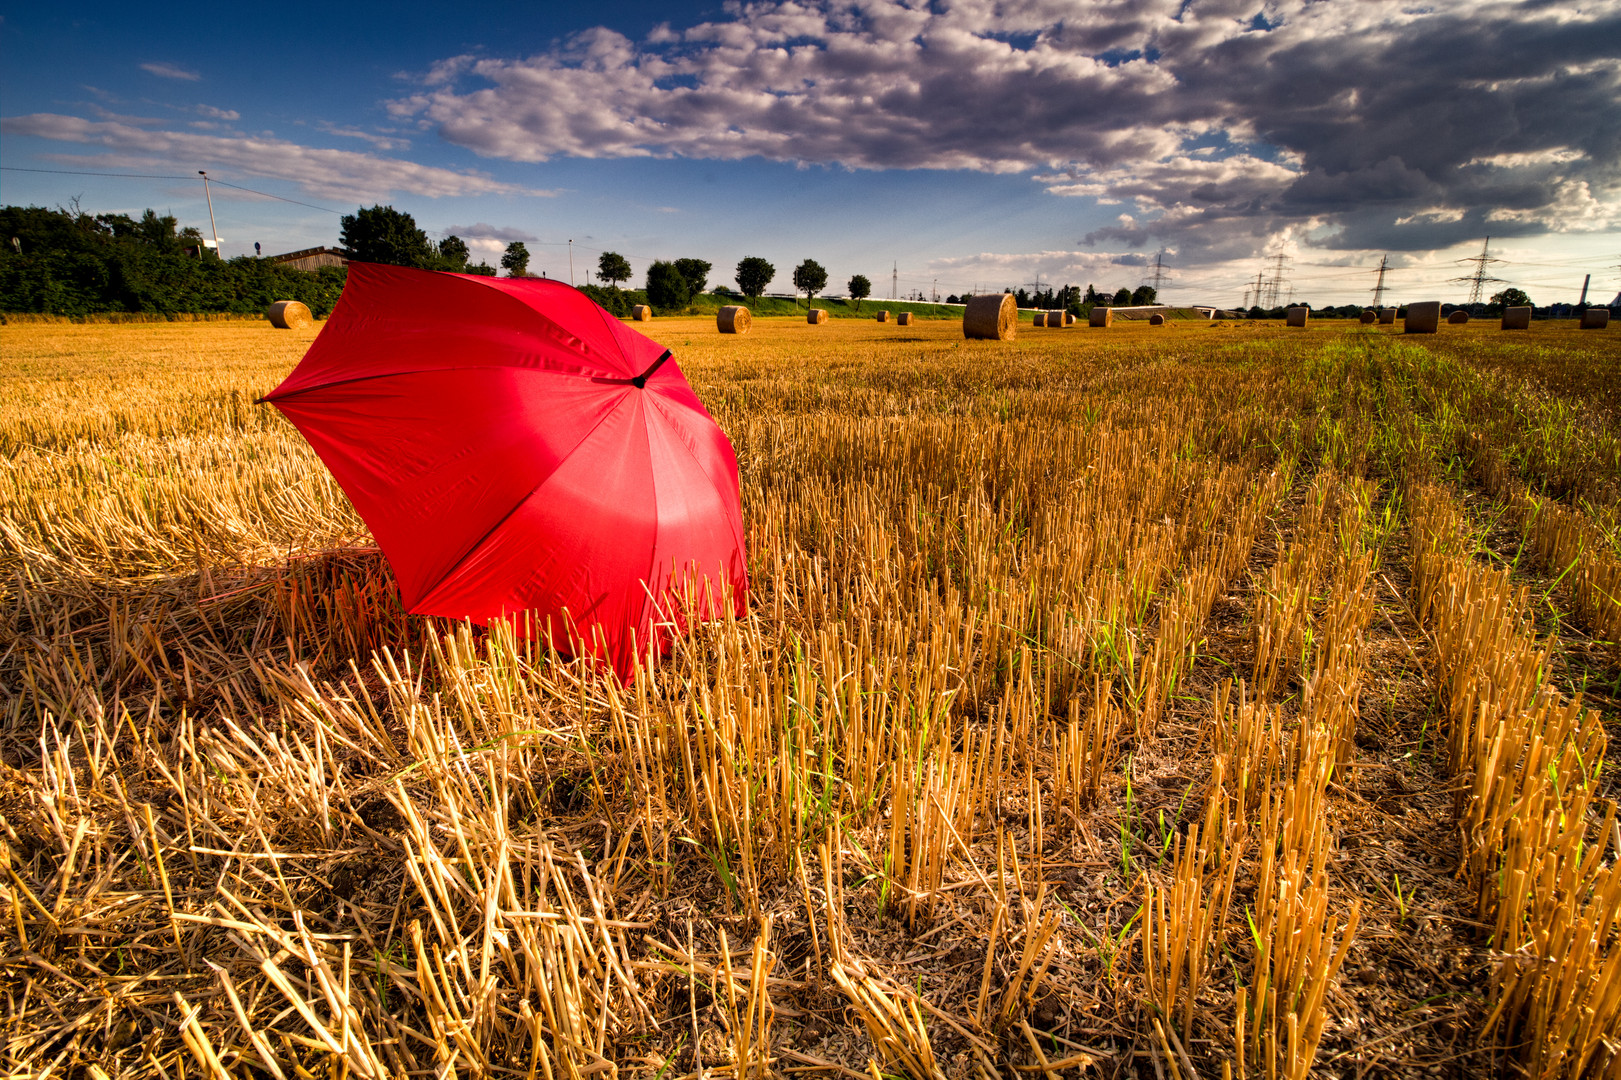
(420, 371)
(517, 505)
(653, 549)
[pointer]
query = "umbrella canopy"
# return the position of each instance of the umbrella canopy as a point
(515, 448)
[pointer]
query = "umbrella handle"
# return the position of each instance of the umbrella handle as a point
(641, 380)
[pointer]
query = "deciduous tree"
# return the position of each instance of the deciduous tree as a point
(696, 271)
(754, 274)
(382, 234)
(515, 260)
(810, 278)
(453, 252)
(666, 286)
(859, 289)
(613, 268)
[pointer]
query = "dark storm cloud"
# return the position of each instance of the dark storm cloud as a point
(1343, 122)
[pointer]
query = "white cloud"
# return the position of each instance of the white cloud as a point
(334, 174)
(378, 142)
(170, 71)
(1337, 120)
(1432, 215)
(498, 234)
(1555, 156)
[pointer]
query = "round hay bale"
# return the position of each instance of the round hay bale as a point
(733, 319)
(903, 319)
(1368, 316)
(817, 316)
(289, 315)
(1595, 318)
(1156, 319)
(1298, 315)
(1069, 318)
(1040, 319)
(641, 313)
(882, 316)
(1387, 316)
(1101, 316)
(1458, 318)
(1422, 318)
(991, 317)
(1517, 318)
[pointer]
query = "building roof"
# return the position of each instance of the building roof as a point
(306, 253)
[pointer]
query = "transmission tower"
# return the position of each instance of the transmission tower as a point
(1275, 284)
(1379, 286)
(1255, 288)
(1478, 281)
(894, 281)
(1157, 282)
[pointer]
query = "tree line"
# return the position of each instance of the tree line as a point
(69, 262)
(383, 234)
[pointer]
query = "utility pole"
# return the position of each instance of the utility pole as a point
(211, 225)
(571, 262)
(1480, 278)
(1379, 286)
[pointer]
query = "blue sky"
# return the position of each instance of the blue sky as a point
(970, 143)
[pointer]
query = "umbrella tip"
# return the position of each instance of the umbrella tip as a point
(641, 380)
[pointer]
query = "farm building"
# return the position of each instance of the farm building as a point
(311, 258)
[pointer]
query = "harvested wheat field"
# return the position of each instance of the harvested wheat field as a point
(1198, 701)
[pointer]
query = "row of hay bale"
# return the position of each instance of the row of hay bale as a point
(734, 319)
(994, 317)
(1425, 317)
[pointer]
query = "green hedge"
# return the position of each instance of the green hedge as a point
(76, 265)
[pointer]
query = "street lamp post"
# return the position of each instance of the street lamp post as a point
(211, 225)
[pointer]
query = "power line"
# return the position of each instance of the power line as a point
(77, 172)
(160, 176)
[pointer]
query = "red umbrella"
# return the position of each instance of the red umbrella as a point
(514, 448)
